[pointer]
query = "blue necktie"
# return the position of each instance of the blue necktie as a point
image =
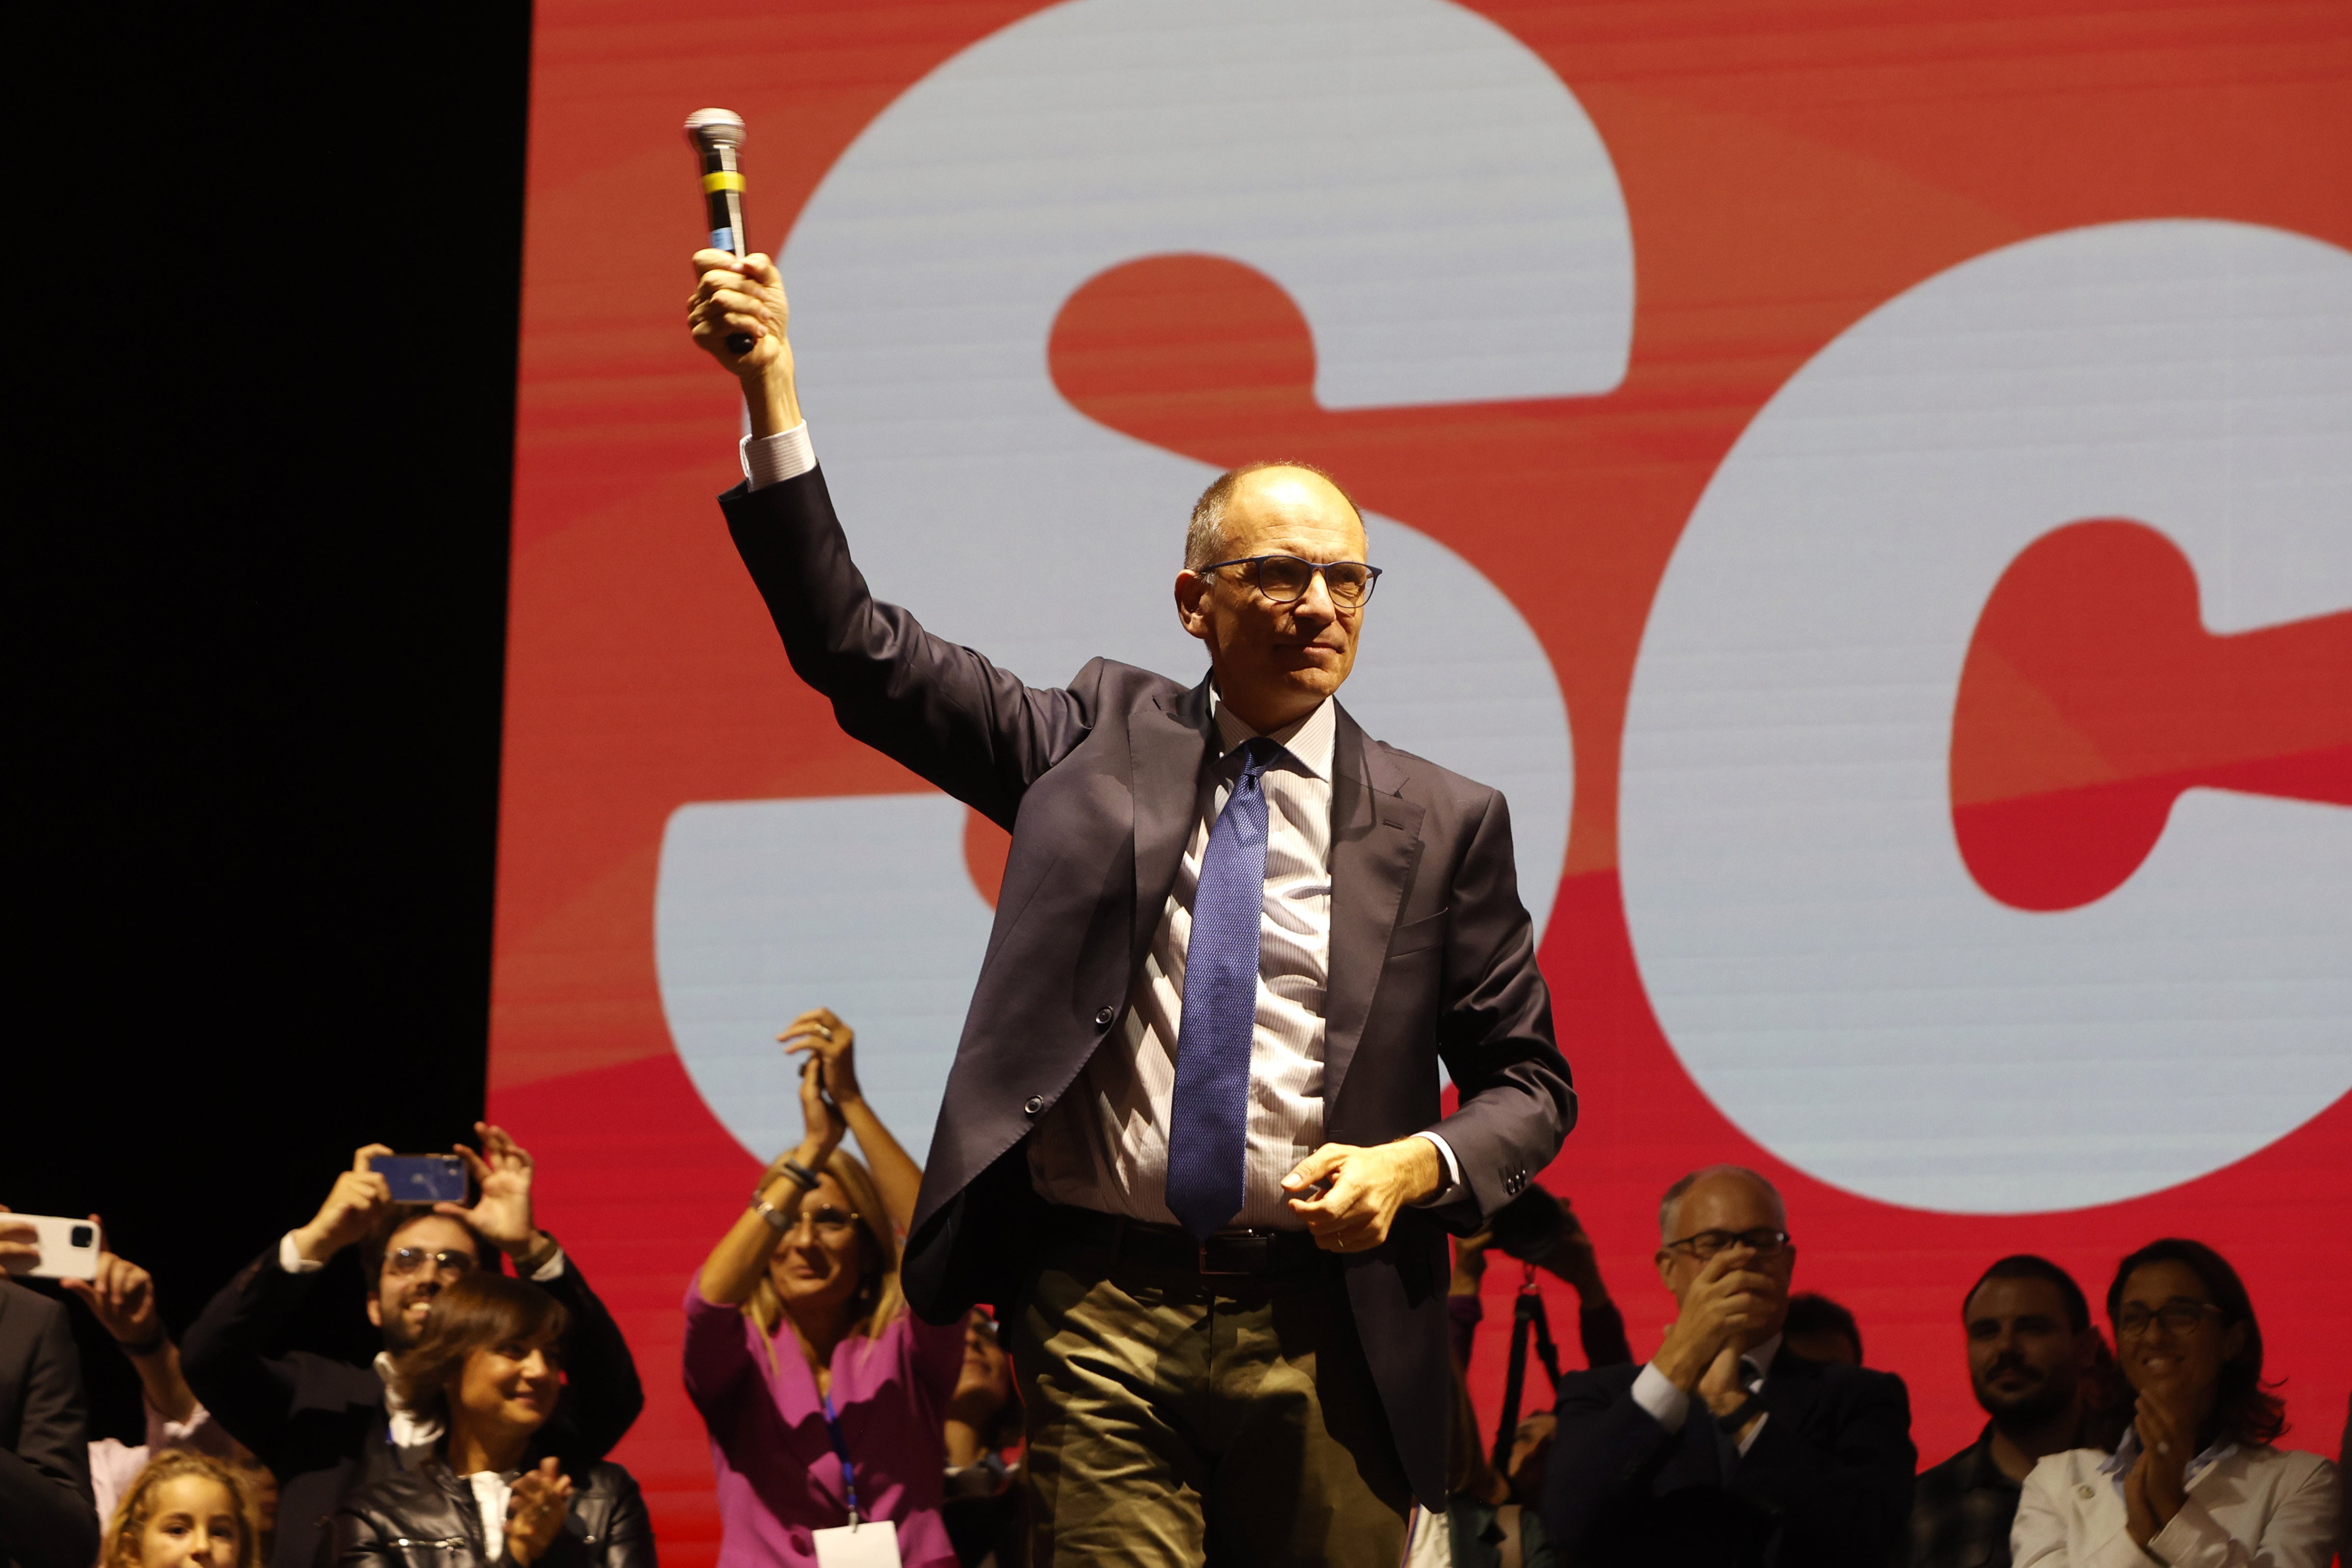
(1209, 1114)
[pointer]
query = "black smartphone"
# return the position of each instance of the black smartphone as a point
(422, 1178)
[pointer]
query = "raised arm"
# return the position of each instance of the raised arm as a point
(832, 1045)
(939, 708)
(122, 1298)
(736, 1264)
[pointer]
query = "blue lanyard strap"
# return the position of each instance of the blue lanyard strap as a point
(841, 1452)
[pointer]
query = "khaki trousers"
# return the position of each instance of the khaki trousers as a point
(1175, 1419)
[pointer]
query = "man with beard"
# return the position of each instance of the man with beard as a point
(2032, 1361)
(329, 1428)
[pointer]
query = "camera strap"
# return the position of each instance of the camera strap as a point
(1528, 1320)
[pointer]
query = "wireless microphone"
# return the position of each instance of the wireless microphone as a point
(717, 134)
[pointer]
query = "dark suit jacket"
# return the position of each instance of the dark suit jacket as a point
(1432, 952)
(1827, 1482)
(46, 1518)
(319, 1423)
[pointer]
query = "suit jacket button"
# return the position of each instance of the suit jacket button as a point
(1032, 1105)
(1103, 1019)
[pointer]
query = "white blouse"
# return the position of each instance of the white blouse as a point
(2248, 1508)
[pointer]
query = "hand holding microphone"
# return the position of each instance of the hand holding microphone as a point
(737, 312)
(717, 134)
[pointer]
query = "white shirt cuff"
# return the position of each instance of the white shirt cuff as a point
(1753, 1433)
(1452, 1190)
(772, 459)
(1655, 1392)
(292, 1261)
(551, 1270)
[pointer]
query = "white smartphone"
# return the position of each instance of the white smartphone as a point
(69, 1246)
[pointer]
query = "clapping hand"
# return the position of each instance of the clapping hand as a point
(1724, 1304)
(2159, 1483)
(535, 1511)
(832, 1046)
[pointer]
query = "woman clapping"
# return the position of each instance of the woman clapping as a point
(824, 1397)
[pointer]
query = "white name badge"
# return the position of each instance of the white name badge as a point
(870, 1543)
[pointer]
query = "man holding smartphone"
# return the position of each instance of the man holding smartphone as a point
(328, 1428)
(46, 1517)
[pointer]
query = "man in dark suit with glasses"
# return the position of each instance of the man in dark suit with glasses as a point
(1192, 1145)
(1727, 1447)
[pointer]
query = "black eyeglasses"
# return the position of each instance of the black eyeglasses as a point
(408, 1260)
(1707, 1243)
(1284, 579)
(2180, 1316)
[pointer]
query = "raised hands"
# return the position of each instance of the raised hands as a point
(832, 1045)
(535, 1511)
(357, 1198)
(501, 1214)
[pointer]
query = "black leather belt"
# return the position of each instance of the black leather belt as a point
(1171, 1247)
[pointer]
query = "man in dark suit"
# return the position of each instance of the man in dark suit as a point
(1728, 1448)
(47, 1520)
(1191, 1145)
(327, 1428)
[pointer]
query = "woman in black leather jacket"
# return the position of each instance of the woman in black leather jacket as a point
(500, 1489)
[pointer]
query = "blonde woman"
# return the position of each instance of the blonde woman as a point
(824, 1397)
(186, 1509)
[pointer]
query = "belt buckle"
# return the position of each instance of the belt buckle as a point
(1260, 1242)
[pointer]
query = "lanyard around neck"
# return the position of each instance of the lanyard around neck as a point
(841, 1452)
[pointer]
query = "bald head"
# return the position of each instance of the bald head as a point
(1237, 496)
(1713, 1192)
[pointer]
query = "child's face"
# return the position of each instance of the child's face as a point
(190, 1524)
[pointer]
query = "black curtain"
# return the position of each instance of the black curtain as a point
(265, 339)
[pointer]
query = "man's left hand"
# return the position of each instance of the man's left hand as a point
(1348, 1196)
(501, 1214)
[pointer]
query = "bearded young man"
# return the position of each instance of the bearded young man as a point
(327, 1428)
(2033, 1355)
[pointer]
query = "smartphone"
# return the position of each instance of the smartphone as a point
(69, 1246)
(422, 1178)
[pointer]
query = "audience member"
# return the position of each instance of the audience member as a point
(1484, 1526)
(497, 1487)
(186, 1509)
(2195, 1478)
(122, 1298)
(824, 1398)
(47, 1520)
(1728, 1447)
(1538, 1228)
(1820, 1329)
(978, 1499)
(328, 1428)
(2033, 1358)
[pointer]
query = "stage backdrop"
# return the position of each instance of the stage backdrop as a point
(1875, 486)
